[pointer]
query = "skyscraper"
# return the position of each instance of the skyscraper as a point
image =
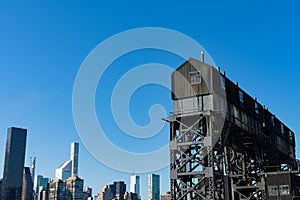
(0, 188)
(74, 188)
(32, 168)
(153, 187)
(104, 194)
(74, 154)
(27, 186)
(56, 190)
(41, 185)
(135, 184)
(64, 171)
(117, 190)
(14, 163)
(69, 168)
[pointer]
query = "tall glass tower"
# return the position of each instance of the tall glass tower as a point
(41, 185)
(70, 167)
(135, 184)
(14, 164)
(74, 154)
(153, 187)
(117, 190)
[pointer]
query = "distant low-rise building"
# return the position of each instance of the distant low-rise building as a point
(104, 194)
(87, 193)
(131, 196)
(166, 196)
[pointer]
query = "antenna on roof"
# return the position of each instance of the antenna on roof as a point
(202, 56)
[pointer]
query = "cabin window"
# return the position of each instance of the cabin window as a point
(256, 107)
(272, 120)
(282, 128)
(273, 190)
(291, 135)
(223, 82)
(284, 190)
(241, 95)
(195, 77)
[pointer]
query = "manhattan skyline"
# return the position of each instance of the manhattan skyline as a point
(44, 44)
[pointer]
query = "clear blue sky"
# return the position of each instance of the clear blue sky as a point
(42, 45)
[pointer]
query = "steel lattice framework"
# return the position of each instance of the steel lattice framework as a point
(222, 152)
(196, 167)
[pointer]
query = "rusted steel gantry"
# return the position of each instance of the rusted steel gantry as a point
(223, 143)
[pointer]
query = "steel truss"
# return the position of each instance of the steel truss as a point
(244, 175)
(203, 169)
(196, 165)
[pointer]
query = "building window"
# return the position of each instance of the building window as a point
(195, 77)
(273, 190)
(241, 95)
(223, 82)
(272, 120)
(256, 107)
(284, 190)
(282, 129)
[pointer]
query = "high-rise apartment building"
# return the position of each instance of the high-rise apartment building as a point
(64, 171)
(74, 155)
(56, 190)
(135, 184)
(69, 168)
(27, 186)
(0, 188)
(74, 188)
(41, 185)
(14, 164)
(117, 190)
(153, 187)
(32, 168)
